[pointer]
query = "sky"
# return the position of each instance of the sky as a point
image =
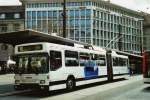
(138, 5)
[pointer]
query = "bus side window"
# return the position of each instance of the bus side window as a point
(122, 62)
(71, 59)
(115, 61)
(84, 57)
(55, 60)
(101, 61)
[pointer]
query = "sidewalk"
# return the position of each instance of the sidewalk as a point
(6, 83)
(6, 79)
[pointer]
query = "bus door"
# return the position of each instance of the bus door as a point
(109, 65)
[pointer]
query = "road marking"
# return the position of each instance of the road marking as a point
(14, 92)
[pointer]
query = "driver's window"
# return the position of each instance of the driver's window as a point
(55, 60)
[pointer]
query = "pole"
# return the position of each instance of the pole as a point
(64, 18)
(120, 40)
(109, 65)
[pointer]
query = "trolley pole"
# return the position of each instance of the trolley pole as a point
(109, 65)
(64, 18)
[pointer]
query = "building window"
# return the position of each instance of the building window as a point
(16, 15)
(29, 15)
(2, 16)
(88, 32)
(4, 47)
(33, 15)
(16, 27)
(77, 13)
(82, 13)
(3, 28)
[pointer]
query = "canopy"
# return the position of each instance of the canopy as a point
(30, 36)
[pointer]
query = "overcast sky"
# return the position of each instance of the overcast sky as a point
(142, 5)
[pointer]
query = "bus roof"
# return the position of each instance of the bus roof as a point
(46, 46)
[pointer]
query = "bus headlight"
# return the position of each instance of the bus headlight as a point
(42, 81)
(17, 81)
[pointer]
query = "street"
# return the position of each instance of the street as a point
(131, 89)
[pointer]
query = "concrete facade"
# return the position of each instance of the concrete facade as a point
(146, 33)
(11, 19)
(95, 22)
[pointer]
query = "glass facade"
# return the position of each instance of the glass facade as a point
(89, 22)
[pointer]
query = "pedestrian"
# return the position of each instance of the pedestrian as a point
(130, 71)
(133, 69)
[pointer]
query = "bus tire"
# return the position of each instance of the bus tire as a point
(70, 83)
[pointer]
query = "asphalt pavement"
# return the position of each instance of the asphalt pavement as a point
(99, 91)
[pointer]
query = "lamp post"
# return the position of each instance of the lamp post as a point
(64, 18)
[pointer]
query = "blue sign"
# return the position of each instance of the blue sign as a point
(90, 69)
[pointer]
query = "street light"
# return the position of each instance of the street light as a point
(64, 18)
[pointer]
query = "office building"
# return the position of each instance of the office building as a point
(11, 19)
(146, 33)
(95, 22)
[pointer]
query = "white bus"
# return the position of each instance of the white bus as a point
(50, 66)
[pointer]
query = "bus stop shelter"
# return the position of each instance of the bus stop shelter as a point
(30, 36)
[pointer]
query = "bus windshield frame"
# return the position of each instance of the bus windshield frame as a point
(36, 63)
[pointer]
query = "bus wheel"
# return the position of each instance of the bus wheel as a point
(70, 84)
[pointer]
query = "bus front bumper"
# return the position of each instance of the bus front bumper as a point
(31, 86)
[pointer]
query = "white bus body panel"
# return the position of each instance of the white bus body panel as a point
(146, 80)
(31, 78)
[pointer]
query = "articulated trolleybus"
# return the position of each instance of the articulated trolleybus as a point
(50, 66)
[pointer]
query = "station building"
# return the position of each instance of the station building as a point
(11, 19)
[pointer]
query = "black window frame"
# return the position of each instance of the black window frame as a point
(54, 62)
(100, 57)
(115, 61)
(86, 56)
(17, 56)
(72, 55)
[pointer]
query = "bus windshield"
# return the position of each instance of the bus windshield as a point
(29, 64)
